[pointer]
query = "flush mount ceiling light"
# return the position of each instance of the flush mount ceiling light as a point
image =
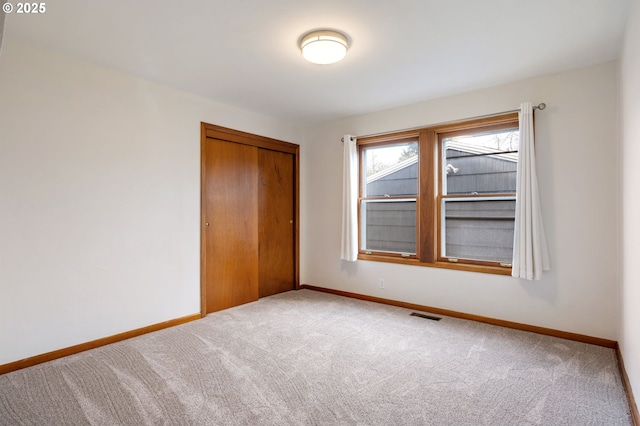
(324, 47)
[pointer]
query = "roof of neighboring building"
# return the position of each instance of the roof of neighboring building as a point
(477, 149)
(452, 144)
(396, 167)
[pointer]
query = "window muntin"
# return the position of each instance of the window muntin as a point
(464, 219)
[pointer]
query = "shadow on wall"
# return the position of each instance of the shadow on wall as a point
(546, 289)
(2, 14)
(351, 268)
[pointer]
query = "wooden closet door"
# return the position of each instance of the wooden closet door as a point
(231, 211)
(276, 216)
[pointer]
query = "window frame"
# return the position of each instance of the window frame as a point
(388, 140)
(429, 196)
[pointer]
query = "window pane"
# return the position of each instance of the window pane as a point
(389, 226)
(479, 229)
(391, 170)
(481, 163)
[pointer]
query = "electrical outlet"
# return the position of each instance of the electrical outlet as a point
(381, 283)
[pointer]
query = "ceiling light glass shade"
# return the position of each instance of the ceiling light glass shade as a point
(324, 47)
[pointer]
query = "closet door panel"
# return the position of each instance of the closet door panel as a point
(276, 222)
(231, 210)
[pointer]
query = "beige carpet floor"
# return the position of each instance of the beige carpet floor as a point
(308, 358)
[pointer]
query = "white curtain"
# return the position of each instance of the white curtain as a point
(530, 252)
(349, 200)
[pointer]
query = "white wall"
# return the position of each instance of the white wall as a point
(630, 99)
(577, 147)
(99, 199)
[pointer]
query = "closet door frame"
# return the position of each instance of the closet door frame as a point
(211, 131)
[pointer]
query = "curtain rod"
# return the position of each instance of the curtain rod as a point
(540, 107)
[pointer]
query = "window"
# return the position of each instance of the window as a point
(442, 196)
(389, 195)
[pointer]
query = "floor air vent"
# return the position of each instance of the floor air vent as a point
(415, 314)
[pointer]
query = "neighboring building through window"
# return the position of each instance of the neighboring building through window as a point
(441, 196)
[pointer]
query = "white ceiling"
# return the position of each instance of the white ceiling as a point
(245, 52)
